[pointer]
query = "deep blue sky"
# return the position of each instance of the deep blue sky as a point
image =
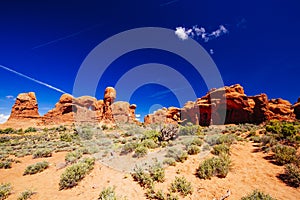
(48, 41)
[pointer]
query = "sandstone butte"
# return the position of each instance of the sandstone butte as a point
(209, 109)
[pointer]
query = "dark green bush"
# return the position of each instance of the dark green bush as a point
(36, 168)
(152, 135)
(30, 130)
(149, 143)
(216, 166)
(7, 131)
(284, 154)
(257, 195)
(181, 185)
(5, 190)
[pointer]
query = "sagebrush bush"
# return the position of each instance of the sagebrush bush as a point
(152, 135)
(74, 173)
(5, 190)
(140, 151)
(143, 178)
(108, 194)
(36, 168)
(42, 153)
(226, 139)
(149, 143)
(220, 149)
(129, 147)
(193, 150)
(178, 154)
(181, 185)
(190, 129)
(169, 161)
(26, 195)
(157, 172)
(285, 154)
(216, 166)
(73, 156)
(292, 175)
(258, 195)
(5, 164)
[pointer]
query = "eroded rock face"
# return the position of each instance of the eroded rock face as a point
(25, 107)
(162, 116)
(281, 109)
(297, 109)
(123, 112)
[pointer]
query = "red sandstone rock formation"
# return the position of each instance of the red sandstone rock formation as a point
(281, 109)
(25, 107)
(297, 109)
(123, 112)
(164, 115)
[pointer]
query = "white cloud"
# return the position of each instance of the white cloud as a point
(181, 33)
(10, 97)
(3, 118)
(211, 51)
(138, 115)
(200, 33)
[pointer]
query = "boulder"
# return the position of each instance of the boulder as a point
(123, 112)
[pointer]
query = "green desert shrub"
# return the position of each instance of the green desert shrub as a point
(193, 150)
(26, 195)
(76, 172)
(140, 151)
(73, 156)
(108, 194)
(30, 130)
(5, 190)
(5, 164)
(182, 186)
(258, 195)
(129, 147)
(292, 175)
(85, 133)
(215, 166)
(152, 135)
(149, 143)
(226, 139)
(143, 178)
(36, 168)
(42, 153)
(157, 172)
(284, 154)
(190, 129)
(220, 149)
(169, 161)
(178, 154)
(7, 131)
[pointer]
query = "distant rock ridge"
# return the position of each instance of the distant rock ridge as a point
(232, 101)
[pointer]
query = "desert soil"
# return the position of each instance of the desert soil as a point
(249, 171)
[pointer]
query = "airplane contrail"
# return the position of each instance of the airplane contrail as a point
(32, 79)
(66, 37)
(168, 3)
